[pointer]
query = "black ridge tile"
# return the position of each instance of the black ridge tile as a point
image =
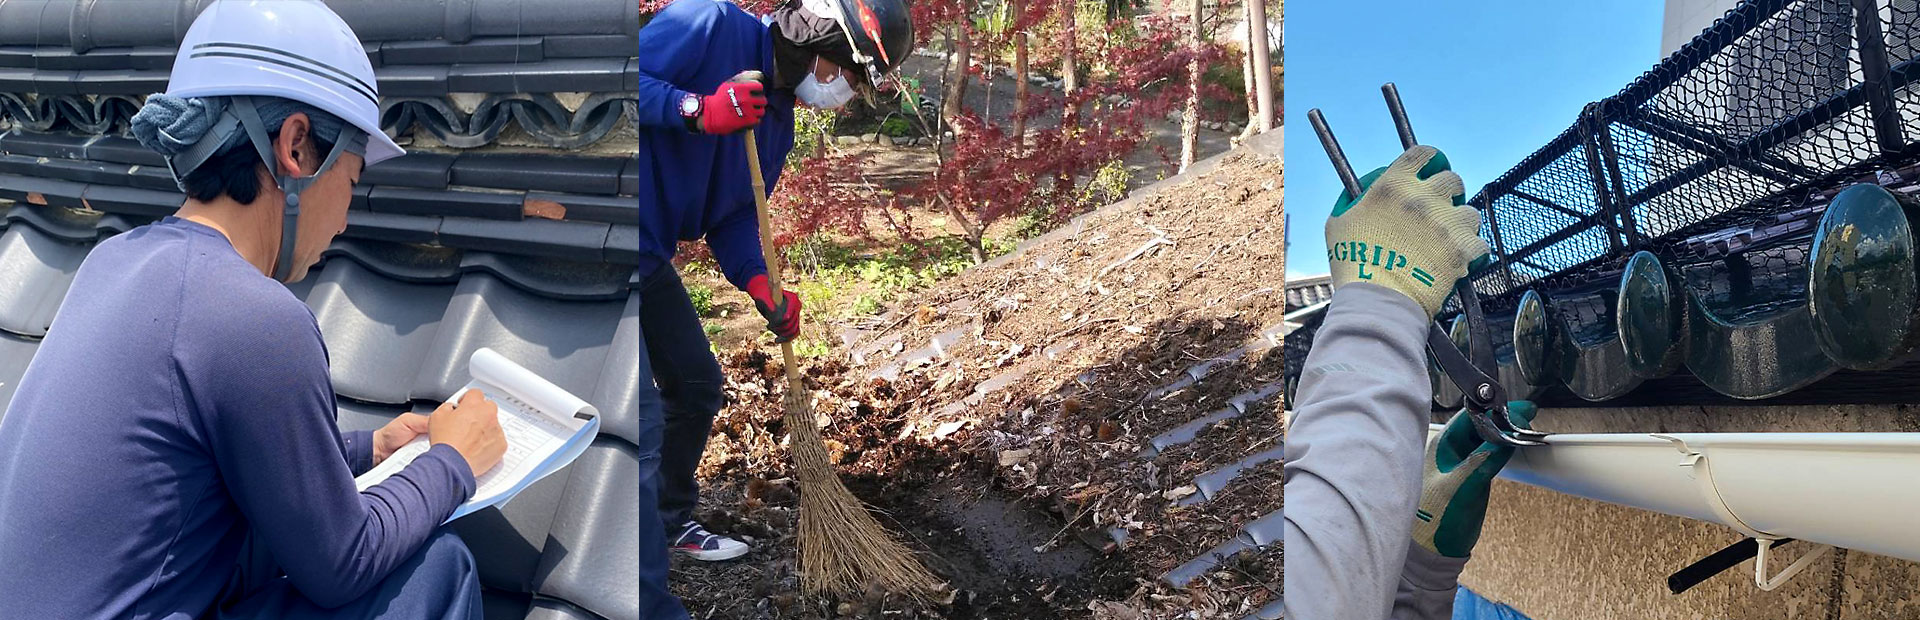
(588, 46)
(133, 201)
(86, 171)
(125, 58)
(412, 81)
(41, 191)
(16, 56)
(120, 82)
(62, 145)
(23, 165)
(545, 17)
(609, 209)
(17, 80)
(565, 75)
(630, 77)
(572, 175)
(623, 245)
(152, 177)
(416, 169)
(390, 227)
(630, 178)
(412, 201)
(485, 50)
(580, 241)
(124, 151)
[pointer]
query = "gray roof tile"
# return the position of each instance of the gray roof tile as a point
(598, 527)
(15, 352)
(512, 537)
(35, 271)
(566, 342)
(378, 330)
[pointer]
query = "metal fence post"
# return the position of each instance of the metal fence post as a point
(1603, 197)
(1873, 65)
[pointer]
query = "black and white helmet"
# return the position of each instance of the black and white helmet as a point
(880, 31)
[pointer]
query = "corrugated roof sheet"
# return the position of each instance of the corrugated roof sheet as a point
(439, 257)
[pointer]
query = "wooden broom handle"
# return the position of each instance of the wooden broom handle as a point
(772, 256)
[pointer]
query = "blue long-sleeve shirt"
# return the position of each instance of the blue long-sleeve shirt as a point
(695, 185)
(179, 403)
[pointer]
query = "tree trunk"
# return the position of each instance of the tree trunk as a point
(1020, 76)
(1246, 73)
(976, 236)
(1190, 118)
(1069, 68)
(1262, 64)
(957, 88)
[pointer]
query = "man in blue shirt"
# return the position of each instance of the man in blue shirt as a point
(171, 451)
(707, 71)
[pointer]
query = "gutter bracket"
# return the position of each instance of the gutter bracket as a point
(1766, 583)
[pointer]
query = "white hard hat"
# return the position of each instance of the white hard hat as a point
(293, 49)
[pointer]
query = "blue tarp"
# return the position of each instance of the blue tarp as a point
(1469, 606)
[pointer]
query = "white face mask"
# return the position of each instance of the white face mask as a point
(826, 96)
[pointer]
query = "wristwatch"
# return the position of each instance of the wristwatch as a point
(690, 106)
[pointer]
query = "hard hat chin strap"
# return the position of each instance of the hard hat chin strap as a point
(248, 116)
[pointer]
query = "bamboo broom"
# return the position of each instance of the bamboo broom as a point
(843, 549)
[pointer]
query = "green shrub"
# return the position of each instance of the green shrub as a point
(896, 126)
(702, 297)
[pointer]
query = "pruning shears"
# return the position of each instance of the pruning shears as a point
(1475, 372)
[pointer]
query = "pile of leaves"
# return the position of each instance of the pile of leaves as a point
(1089, 321)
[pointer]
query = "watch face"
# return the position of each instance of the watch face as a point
(689, 105)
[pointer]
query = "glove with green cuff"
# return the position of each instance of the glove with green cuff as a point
(1409, 230)
(1458, 477)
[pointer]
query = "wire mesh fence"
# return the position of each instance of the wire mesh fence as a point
(1718, 150)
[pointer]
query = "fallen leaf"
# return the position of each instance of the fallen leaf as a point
(1107, 432)
(1176, 493)
(949, 428)
(1009, 458)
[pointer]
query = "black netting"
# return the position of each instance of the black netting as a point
(1726, 139)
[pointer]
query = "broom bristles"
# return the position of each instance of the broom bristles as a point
(843, 549)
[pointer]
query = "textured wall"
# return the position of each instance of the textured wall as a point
(1559, 557)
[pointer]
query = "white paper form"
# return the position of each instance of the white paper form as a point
(546, 428)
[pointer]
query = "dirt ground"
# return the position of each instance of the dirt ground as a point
(1013, 463)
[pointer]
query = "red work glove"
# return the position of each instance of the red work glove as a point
(737, 105)
(783, 319)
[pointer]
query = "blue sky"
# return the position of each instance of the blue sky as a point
(1487, 81)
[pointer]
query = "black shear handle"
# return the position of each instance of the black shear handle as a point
(1486, 399)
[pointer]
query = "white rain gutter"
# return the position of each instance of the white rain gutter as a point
(1851, 490)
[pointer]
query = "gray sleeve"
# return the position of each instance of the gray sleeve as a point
(1353, 456)
(1427, 583)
